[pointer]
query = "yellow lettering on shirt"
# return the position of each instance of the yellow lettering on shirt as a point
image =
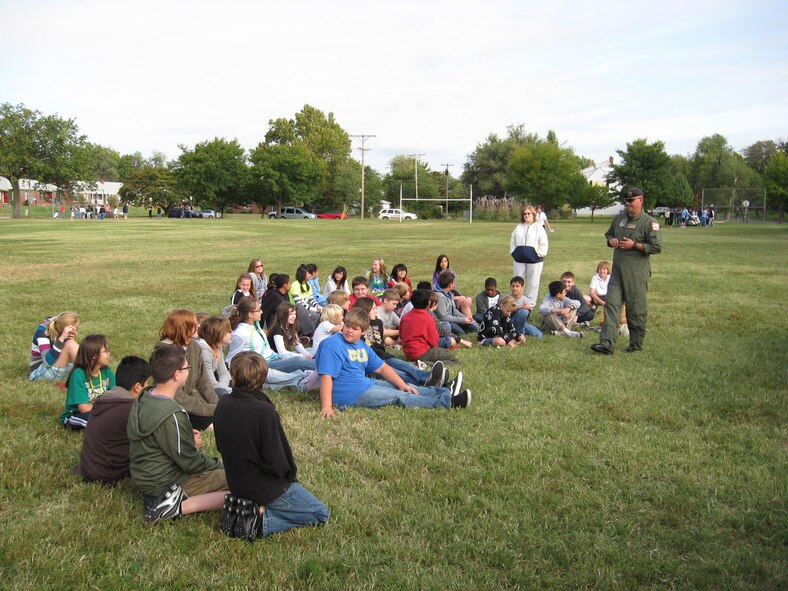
(359, 355)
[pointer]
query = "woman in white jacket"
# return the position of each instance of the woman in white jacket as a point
(530, 234)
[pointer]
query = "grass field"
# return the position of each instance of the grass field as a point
(660, 470)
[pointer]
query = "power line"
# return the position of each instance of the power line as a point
(364, 137)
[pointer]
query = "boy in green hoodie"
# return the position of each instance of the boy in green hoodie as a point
(174, 476)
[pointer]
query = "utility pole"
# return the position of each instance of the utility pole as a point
(362, 149)
(416, 168)
(446, 166)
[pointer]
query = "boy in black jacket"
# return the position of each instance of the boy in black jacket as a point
(257, 457)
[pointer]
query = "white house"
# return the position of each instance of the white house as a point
(37, 194)
(597, 174)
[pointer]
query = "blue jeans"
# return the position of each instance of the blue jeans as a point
(290, 364)
(520, 319)
(296, 507)
(409, 373)
(383, 393)
(444, 342)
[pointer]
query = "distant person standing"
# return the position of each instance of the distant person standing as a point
(634, 236)
(528, 247)
(125, 211)
(541, 218)
(150, 212)
(158, 213)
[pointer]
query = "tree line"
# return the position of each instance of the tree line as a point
(306, 160)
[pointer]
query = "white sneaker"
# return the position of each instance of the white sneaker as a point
(421, 365)
(575, 335)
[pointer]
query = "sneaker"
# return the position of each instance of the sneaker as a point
(575, 334)
(304, 341)
(455, 386)
(421, 365)
(584, 324)
(461, 400)
(167, 505)
(437, 375)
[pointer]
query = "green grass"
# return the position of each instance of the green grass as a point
(660, 470)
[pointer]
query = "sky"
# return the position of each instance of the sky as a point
(424, 77)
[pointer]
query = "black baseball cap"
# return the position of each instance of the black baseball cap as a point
(633, 193)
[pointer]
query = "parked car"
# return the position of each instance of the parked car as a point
(292, 213)
(178, 212)
(205, 213)
(661, 211)
(392, 214)
(332, 216)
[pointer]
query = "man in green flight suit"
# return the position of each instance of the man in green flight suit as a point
(635, 236)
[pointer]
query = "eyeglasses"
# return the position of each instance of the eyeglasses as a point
(187, 368)
(528, 213)
(258, 266)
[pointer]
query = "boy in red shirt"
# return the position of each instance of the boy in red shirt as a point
(419, 335)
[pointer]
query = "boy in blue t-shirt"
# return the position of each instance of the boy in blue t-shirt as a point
(343, 361)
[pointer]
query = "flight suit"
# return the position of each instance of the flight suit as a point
(629, 278)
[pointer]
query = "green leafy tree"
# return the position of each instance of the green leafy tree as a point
(592, 196)
(154, 185)
(758, 155)
(104, 162)
(716, 164)
(402, 173)
(487, 166)
(349, 187)
(647, 166)
(213, 172)
(323, 137)
(43, 148)
(776, 176)
(285, 174)
(128, 163)
(544, 173)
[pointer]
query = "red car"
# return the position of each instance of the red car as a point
(332, 216)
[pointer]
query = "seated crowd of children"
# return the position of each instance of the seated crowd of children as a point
(145, 420)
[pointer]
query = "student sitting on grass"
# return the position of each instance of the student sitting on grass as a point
(497, 328)
(559, 313)
(166, 463)
(388, 316)
(404, 292)
(377, 277)
(54, 347)
(344, 361)
(88, 381)
(215, 333)
(361, 290)
(197, 395)
(337, 281)
(105, 448)
(409, 373)
(244, 287)
(256, 271)
(399, 274)
(283, 334)
(522, 308)
(258, 460)
(330, 323)
(419, 333)
(486, 299)
(314, 282)
(447, 339)
(339, 298)
(447, 310)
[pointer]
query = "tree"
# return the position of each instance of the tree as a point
(592, 196)
(716, 164)
(322, 136)
(403, 174)
(128, 163)
(348, 187)
(43, 148)
(214, 172)
(284, 173)
(648, 167)
(151, 185)
(487, 166)
(757, 155)
(776, 176)
(104, 162)
(544, 173)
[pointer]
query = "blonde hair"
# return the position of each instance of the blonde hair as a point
(603, 265)
(402, 289)
(338, 297)
(60, 322)
(506, 301)
(527, 208)
(332, 313)
(382, 271)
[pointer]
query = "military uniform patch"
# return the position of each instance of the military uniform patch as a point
(654, 226)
